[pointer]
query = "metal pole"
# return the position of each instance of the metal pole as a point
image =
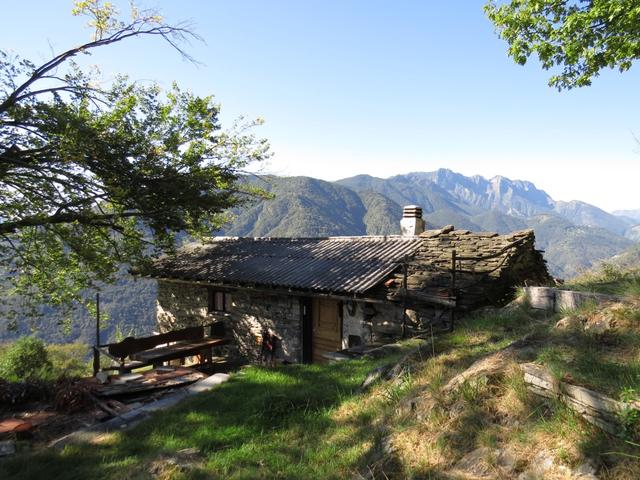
(404, 297)
(96, 352)
(452, 291)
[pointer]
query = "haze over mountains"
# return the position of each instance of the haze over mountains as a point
(574, 235)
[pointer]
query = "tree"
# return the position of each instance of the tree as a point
(93, 176)
(581, 37)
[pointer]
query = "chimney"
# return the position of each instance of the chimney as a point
(412, 223)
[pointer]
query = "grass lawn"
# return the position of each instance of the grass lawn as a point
(264, 423)
(307, 421)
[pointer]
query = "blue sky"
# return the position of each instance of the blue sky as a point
(378, 87)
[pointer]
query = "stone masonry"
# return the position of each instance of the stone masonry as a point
(181, 304)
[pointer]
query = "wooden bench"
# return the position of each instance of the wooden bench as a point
(156, 349)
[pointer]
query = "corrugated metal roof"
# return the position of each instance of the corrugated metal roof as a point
(330, 264)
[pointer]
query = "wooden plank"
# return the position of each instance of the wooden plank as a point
(177, 350)
(592, 400)
(423, 297)
(594, 407)
(540, 377)
(326, 331)
(148, 383)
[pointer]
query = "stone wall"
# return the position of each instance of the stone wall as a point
(557, 300)
(182, 304)
(372, 322)
(507, 261)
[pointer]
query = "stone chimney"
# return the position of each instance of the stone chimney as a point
(412, 223)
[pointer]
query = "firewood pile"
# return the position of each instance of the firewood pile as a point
(17, 393)
(73, 395)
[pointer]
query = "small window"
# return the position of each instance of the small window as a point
(218, 301)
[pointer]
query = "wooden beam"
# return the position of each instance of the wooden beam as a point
(275, 291)
(424, 297)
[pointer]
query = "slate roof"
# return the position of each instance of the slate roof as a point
(331, 264)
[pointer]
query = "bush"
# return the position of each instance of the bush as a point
(26, 359)
(69, 359)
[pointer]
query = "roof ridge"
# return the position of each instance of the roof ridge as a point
(334, 237)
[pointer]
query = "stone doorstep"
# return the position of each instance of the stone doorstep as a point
(131, 418)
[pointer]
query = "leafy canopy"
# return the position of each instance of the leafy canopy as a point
(580, 37)
(94, 175)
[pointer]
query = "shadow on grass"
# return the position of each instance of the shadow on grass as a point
(266, 423)
(595, 361)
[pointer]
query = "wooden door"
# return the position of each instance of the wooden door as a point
(327, 328)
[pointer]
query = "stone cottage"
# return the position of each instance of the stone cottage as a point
(321, 295)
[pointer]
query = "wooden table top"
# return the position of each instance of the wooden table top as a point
(180, 348)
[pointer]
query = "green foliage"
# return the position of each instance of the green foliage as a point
(69, 360)
(610, 278)
(97, 174)
(26, 359)
(471, 391)
(397, 390)
(628, 418)
(265, 423)
(579, 37)
(30, 358)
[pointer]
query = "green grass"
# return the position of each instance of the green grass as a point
(264, 423)
(67, 359)
(608, 362)
(610, 279)
(583, 365)
(307, 421)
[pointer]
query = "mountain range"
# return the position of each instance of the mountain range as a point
(574, 235)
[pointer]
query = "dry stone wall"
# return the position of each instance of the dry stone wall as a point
(506, 261)
(181, 304)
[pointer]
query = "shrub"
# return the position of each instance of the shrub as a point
(69, 359)
(26, 359)
(19, 393)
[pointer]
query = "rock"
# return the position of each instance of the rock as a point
(386, 446)
(477, 462)
(543, 466)
(569, 322)
(516, 303)
(507, 460)
(102, 378)
(7, 447)
(542, 462)
(372, 377)
(600, 323)
(541, 298)
(585, 468)
(585, 471)
(188, 452)
(529, 475)
(487, 311)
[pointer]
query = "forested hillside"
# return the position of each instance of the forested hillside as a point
(574, 235)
